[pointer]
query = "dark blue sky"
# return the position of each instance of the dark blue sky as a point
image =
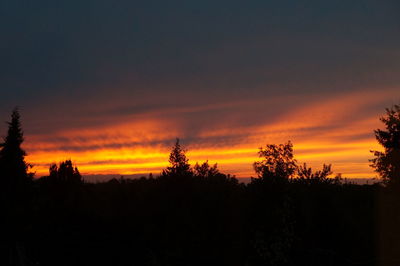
(78, 50)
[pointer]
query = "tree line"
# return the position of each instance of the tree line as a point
(196, 215)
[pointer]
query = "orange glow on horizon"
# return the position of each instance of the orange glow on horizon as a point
(321, 133)
(238, 162)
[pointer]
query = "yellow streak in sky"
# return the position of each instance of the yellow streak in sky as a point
(236, 161)
(319, 132)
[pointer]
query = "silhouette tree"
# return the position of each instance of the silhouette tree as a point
(307, 176)
(278, 161)
(272, 205)
(16, 200)
(205, 170)
(12, 156)
(387, 163)
(65, 173)
(179, 164)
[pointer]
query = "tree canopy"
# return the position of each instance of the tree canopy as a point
(205, 170)
(65, 173)
(387, 162)
(278, 161)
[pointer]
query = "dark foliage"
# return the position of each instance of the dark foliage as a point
(12, 156)
(15, 194)
(278, 162)
(179, 164)
(387, 163)
(65, 173)
(305, 175)
(205, 170)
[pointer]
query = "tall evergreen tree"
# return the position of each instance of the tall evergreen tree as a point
(387, 163)
(12, 157)
(179, 163)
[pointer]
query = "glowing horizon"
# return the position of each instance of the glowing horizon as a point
(341, 135)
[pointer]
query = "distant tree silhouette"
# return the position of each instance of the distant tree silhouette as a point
(387, 163)
(307, 176)
(205, 170)
(179, 163)
(65, 173)
(278, 161)
(12, 157)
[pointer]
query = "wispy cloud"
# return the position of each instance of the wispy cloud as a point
(335, 129)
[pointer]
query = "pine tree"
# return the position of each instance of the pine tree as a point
(387, 163)
(13, 167)
(179, 164)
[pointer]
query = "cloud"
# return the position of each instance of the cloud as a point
(333, 129)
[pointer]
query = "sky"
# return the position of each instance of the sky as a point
(112, 84)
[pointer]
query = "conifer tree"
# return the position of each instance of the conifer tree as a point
(179, 164)
(12, 157)
(387, 163)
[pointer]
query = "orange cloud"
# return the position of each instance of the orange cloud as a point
(332, 130)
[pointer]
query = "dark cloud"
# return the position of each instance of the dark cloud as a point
(77, 64)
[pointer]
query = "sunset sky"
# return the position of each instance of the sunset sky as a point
(111, 84)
